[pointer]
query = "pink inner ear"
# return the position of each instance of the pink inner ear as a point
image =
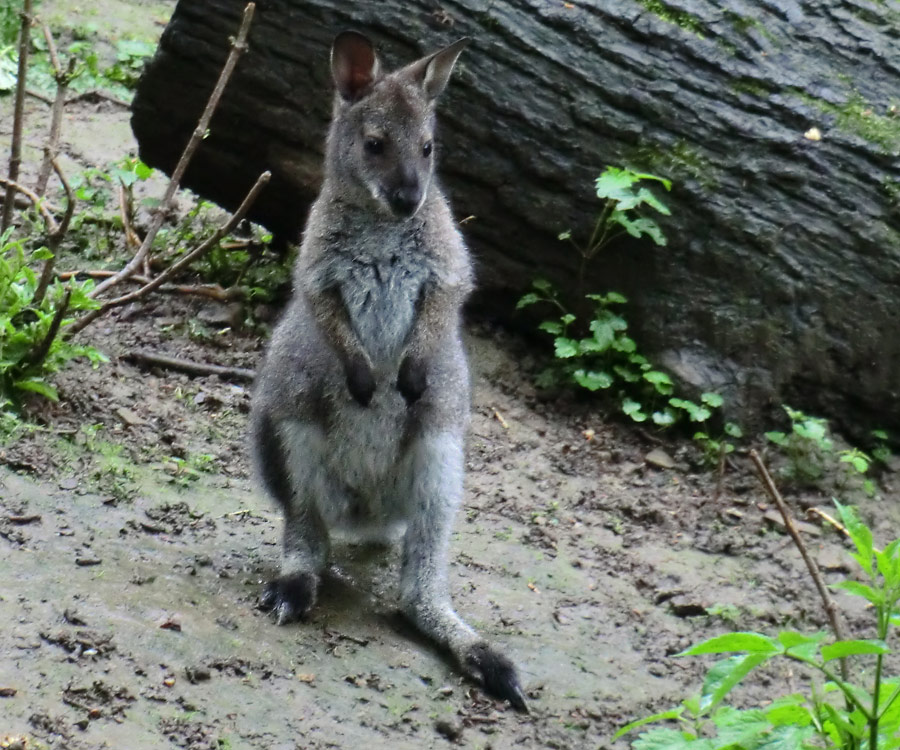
(358, 64)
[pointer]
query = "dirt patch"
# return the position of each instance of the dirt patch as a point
(133, 548)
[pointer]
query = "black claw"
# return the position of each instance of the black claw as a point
(290, 598)
(496, 674)
(412, 379)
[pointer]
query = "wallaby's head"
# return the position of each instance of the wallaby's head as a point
(382, 134)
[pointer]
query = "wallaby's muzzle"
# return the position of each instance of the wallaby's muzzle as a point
(404, 201)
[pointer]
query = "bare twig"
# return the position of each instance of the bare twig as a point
(237, 47)
(15, 151)
(192, 368)
(198, 252)
(63, 78)
(212, 291)
(39, 353)
(91, 95)
(13, 187)
(132, 241)
(831, 609)
(56, 236)
(39, 96)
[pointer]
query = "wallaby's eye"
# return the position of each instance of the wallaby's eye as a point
(426, 149)
(374, 146)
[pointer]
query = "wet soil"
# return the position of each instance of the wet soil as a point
(133, 549)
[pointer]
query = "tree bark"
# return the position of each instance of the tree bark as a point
(780, 282)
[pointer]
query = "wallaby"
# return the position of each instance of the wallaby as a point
(361, 406)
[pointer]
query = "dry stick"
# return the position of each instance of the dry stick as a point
(40, 205)
(192, 368)
(15, 151)
(62, 87)
(831, 609)
(39, 354)
(56, 236)
(199, 251)
(132, 240)
(237, 47)
(213, 291)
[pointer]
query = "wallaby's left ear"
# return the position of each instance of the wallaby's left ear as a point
(434, 71)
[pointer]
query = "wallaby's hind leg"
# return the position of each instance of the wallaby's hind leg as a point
(292, 471)
(434, 482)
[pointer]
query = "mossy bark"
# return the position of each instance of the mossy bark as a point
(780, 282)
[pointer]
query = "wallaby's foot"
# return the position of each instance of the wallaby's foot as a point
(360, 381)
(412, 381)
(496, 673)
(290, 597)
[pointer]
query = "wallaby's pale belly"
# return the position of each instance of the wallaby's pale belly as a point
(364, 446)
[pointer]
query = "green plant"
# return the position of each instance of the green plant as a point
(810, 451)
(32, 341)
(715, 447)
(858, 710)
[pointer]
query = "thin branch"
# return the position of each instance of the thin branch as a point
(237, 48)
(831, 609)
(62, 78)
(13, 187)
(190, 257)
(15, 151)
(132, 241)
(56, 236)
(39, 354)
(192, 368)
(212, 291)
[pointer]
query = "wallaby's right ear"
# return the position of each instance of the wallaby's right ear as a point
(354, 64)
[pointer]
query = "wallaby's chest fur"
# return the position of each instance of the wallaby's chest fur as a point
(380, 274)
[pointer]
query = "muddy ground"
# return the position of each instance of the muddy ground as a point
(133, 548)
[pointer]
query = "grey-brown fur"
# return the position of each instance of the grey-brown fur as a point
(362, 404)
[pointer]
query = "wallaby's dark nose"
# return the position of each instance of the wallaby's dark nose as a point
(405, 199)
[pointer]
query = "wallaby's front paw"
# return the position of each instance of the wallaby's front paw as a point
(496, 674)
(360, 381)
(291, 597)
(412, 380)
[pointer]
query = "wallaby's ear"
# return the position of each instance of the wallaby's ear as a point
(434, 71)
(354, 64)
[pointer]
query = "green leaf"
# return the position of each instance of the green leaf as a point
(42, 253)
(695, 412)
(551, 326)
(801, 645)
(39, 386)
(839, 649)
(731, 642)
(624, 344)
(592, 380)
(615, 184)
(633, 409)
(670, 739)
(712, 399)
(737, 728)
(880, 435)
(664, 418)
(860, 589)
(528, 299)
(733, 430)
(565, 348)
(860, 535)
(779, 438)
(544, 286)
(672, 713)
(727, 673)
(567, 235)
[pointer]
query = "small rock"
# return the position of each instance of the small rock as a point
(197, 674)
(660, 459)
(129, 417)
(86, 562)
(832, 561)
(774, 517)
(449, 729)
(69, 483)
(8, 692)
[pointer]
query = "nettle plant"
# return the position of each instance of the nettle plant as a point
(601, 355)
(33, 323)
(854, 706)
